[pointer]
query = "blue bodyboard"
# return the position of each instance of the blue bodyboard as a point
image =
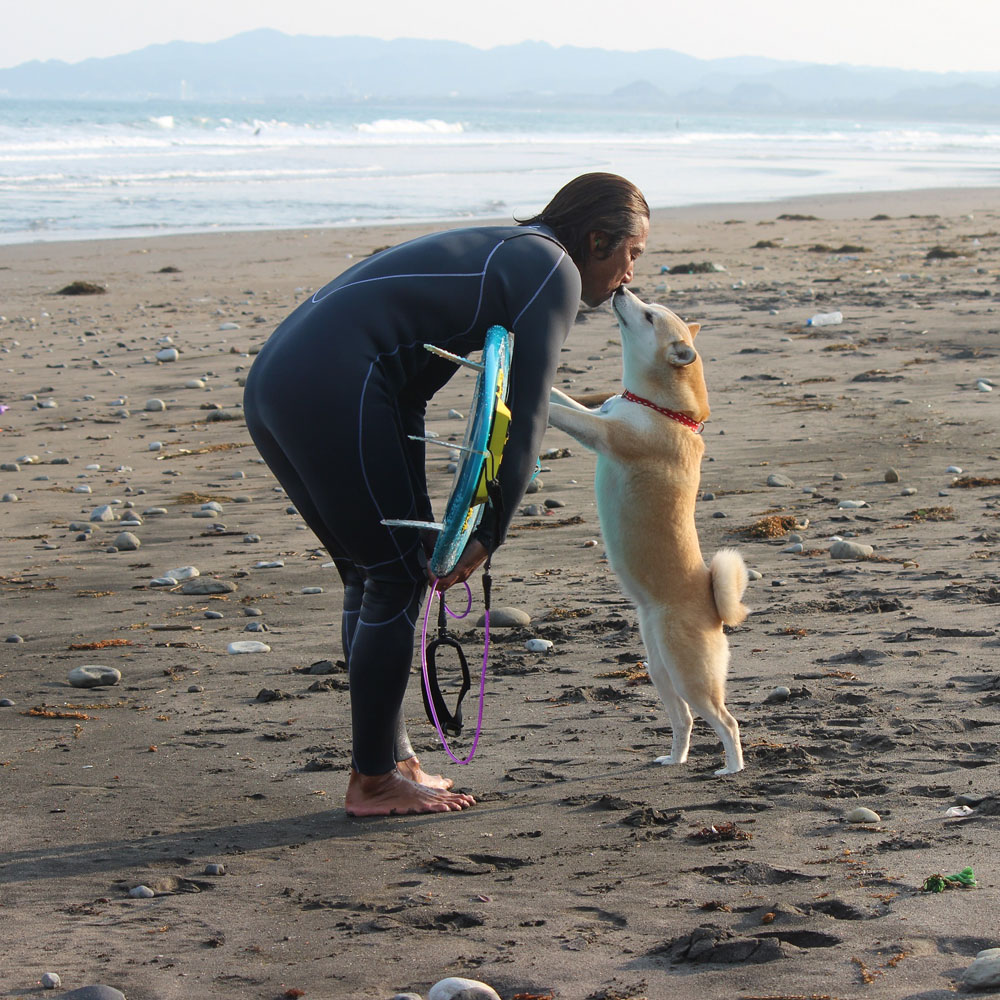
(485, 436)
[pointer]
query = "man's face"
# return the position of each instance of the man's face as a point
(601, 275)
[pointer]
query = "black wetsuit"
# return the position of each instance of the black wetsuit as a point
(339, 386)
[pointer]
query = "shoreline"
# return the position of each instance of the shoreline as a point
(839, 203)
(585, 870)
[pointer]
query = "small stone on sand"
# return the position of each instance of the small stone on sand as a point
(247, 646)
(538, 645)
(506, 618)
(984, 973)
(126, 542)
(94, 675)
(860, 814)
(856, 551)
(456, 988)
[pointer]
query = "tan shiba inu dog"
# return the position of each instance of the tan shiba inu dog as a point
(648, 468)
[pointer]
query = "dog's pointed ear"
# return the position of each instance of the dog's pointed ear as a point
(694, 328)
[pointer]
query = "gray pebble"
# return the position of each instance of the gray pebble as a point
(312, 590)
(7, 703)
(862, 815)
(13, 638)
(247, 646)
(214, 869)
(195, 689)
(984, 973)
(407, 996)
(908, 491)
(719, 514)
(779, 479)
(183, 573)
(534, 486)
(251, 539)
(141, 892)
(855, 551)
(99, 992)
(94, 675)
(252, 612)
(755, 574)
(256, 627)
(778, 696)
(214, 615)
(533, 510)
(10, 467)
(538, 645)
(708, 496)
(155, 512)
(205, 513)
(552, 503)
(103, 513)
(892, 475)
(50, 980)
(506, 618)
(9, 498)
(155, 406)
(456, 988)
(126, 542)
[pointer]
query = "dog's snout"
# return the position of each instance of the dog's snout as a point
(681, 354)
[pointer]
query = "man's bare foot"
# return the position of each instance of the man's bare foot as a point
(393, 795)
(410, 768)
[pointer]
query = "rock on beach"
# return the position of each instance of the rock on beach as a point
(94, 675)
(457, 988)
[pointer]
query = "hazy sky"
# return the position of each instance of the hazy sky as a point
(910, 34)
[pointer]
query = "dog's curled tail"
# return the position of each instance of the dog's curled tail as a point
(729, 580)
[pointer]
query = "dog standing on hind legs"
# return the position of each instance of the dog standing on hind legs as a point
(649, 454)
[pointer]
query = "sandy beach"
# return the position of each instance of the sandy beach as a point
(585, 871)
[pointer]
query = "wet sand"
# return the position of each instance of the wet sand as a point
(585, 870)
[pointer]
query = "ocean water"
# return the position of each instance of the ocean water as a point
(78, 170)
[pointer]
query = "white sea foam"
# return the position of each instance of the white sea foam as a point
(409, 126)
(88, 169)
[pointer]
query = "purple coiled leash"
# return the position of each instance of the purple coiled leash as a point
(434, 703)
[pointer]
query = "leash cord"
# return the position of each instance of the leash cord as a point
(482, 680)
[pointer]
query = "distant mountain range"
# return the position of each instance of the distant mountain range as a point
(267, 65)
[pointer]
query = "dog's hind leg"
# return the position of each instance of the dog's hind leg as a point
(701, 682)
(680, 716)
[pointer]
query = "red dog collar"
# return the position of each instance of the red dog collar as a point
(681, 418)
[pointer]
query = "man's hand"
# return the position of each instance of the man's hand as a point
(472, 558)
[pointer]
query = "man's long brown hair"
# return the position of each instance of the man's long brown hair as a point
(596, 202)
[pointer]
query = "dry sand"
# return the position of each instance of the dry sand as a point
(585, 871)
